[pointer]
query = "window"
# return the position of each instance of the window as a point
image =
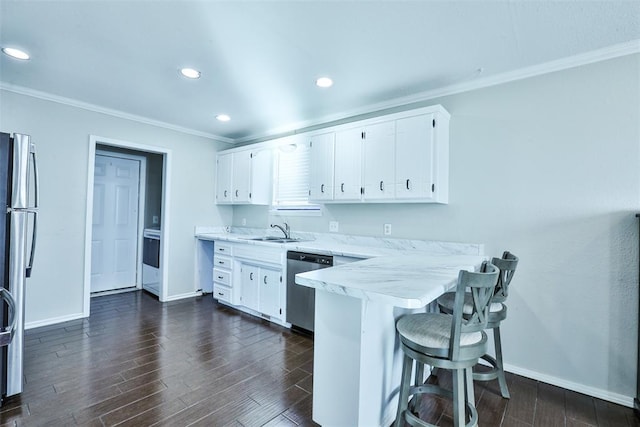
(291, 188)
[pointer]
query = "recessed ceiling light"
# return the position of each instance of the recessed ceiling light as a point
(324, 82)
(223, 117)
(190, 73)
(15, 53)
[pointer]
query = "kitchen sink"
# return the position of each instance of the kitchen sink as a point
(275, 239)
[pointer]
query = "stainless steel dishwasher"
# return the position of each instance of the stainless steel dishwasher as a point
(300, 299)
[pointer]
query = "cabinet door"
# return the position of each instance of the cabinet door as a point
(241, 177)
(348, 165)
(379, 161)
(270, 286)
(261, 171)
(414, 157)
(321, 167)
(224, 165)
(249, 288)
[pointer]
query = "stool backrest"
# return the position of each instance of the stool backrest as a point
(481, 285)
(507, 265)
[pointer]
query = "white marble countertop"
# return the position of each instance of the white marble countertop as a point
(408, 281)
(400, 272)
(343, 245)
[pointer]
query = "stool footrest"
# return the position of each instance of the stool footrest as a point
(414, 391)
(489, 375)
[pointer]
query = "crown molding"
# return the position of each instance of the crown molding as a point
(108, 111)
(610, 52)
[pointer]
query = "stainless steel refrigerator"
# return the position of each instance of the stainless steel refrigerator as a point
(18, 209)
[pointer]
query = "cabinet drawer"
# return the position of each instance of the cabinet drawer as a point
(222, 277)
(221, 261)
(221, 293)
(223, 248)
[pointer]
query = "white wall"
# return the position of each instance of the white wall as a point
(61, 132)
(549, 168)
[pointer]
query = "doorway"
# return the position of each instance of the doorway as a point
(119, 183)
(117, 216)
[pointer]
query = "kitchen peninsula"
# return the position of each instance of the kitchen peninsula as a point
(357, 359)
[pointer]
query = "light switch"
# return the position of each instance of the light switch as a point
(333, 226)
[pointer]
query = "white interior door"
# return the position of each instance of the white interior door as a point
(115, 223)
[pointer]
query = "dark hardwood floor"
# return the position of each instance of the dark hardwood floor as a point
(138, 362)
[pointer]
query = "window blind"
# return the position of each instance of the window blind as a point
(292, 181)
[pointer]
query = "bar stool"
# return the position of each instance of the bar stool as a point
(497, 313)
(454, 342)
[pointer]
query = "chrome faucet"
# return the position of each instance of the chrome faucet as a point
(286, 230)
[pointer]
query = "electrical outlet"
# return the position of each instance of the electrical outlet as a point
(387, 229)
(244, 221)
(333, 226)
(155, 219)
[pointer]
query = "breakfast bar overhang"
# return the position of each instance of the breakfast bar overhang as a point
(357, 358)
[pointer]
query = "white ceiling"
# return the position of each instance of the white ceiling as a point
(259, 60)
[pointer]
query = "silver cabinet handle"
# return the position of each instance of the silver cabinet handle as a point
(407, 184)
(6, 335)
(251, 276)
(265, 279)
(220, 277)
(225, 193)
(381, 185)
(322, 188)
(342, 187)
(236, 193)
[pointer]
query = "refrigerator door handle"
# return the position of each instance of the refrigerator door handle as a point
(6, 333)
(33, 242)
(36, 182)
(36, 203)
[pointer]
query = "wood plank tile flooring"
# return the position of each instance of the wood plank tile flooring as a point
(138, 362)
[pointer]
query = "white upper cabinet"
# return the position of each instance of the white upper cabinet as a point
(348, 165)
(398, 157)
(378, 147)
(241, 177)
(422, 158)
(224, 164)
(401, 157)
(244, 177)
(321, 166)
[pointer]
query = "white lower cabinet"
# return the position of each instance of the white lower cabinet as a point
(270, 289)
(260, 289)
(222, 271)
(250, 278)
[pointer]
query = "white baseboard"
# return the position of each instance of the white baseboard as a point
(182, 296)
(570, 385)
(53, 321)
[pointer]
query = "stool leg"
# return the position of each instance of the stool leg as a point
(419, 380)
(459, 405)
(501, 377)
(469, 386)
(403, 396)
